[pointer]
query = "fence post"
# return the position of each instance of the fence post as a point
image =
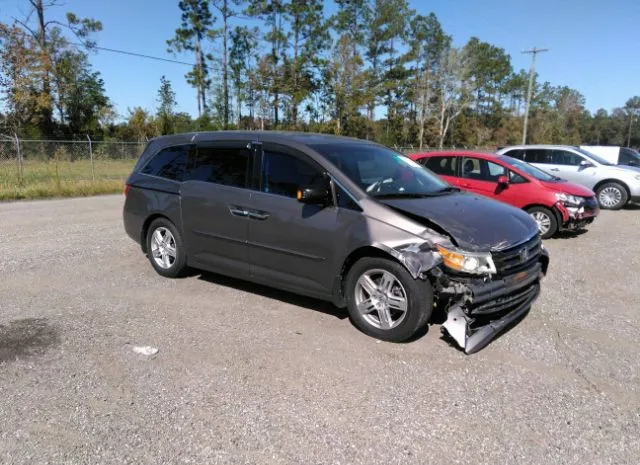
(93, 173)
(19, 159)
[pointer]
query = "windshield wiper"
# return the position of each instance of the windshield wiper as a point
(449, 189)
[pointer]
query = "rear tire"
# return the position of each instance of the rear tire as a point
(385, 302)
(546, 219)
(165, 248)
(612, 196)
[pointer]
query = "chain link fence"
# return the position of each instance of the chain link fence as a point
(46, 168)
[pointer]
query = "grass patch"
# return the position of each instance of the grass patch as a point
(46, 179)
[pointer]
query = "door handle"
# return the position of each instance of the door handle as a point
(259, 215)
(554, 169)
(238, 211)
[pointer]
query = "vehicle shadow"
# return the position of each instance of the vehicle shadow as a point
(275, 294)
(569, 234)
(632, 206)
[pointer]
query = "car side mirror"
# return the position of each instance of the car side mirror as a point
(503, 180)
(313, 195)
(585, 164)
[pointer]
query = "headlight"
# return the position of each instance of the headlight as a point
(467, 262)
(569, 199)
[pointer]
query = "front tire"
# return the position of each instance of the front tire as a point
(546, 219)
(165, 248)
(612, 196)
(385, 302)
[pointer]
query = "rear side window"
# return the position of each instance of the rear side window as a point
(169, 163)
(283, 174)
(445, 166)
(538, 156)
(221, 165)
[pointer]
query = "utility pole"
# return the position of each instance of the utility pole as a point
(629, 133)
(534, 51)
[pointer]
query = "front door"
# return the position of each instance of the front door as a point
(291, 244)
(214, 207)
(568, 166)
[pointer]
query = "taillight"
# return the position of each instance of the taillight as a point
(127, 188)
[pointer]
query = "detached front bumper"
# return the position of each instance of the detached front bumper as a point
(577, 217)
(478, 311)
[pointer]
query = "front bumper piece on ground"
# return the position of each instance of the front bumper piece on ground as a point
(487, 309)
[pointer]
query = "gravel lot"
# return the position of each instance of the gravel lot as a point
(249, 375)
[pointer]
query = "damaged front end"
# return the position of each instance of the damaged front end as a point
(481, 293)
(480, 308)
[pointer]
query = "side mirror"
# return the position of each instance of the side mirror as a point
(313, 195)
(503, 180)
(585, 164)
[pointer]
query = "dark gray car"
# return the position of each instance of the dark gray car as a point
(339, 219)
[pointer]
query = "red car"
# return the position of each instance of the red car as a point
(554, 203)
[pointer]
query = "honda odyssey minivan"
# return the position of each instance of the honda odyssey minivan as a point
(339, 219)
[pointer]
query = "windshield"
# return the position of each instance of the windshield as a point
(382, 172)
(595, 157)
(530, 169)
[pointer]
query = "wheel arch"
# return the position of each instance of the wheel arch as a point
(599, 184)
(145, 228)
(352, 259)
(552, 209)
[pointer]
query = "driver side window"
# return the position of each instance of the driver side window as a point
(283, 174)
(482, 170)
(562, 157)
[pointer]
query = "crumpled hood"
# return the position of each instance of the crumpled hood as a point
(476, 223)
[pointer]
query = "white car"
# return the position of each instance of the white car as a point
(615, 154)
(614, 185)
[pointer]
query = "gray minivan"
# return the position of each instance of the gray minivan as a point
(339, 219)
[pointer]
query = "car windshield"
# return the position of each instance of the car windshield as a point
(595, 157)
(382, 172)
(529, 169)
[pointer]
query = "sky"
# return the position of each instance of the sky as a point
(594, 45)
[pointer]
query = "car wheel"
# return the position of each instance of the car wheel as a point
(385, 302)
(612, 196)
(165, 248)
(547, 222)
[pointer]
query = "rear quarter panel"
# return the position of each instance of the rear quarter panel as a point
(148, 197)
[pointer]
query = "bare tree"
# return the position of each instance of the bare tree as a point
(456, 89)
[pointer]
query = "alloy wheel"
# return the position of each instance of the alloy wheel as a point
(381, 299)
(543, 220)
(609, 197)
(163, 248)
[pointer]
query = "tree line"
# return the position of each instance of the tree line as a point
(375, 69)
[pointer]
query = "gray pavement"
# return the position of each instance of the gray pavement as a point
(245, 374)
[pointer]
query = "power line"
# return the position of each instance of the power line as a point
(534, 51)
(124, 52)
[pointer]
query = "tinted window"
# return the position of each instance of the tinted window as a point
(169, 163)
(538, 156)
(629, 157)
(562, 157)
(220, 165)
(345, 200)
(446, 166)
(283, 174)
(482, 170)
(517, 154)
